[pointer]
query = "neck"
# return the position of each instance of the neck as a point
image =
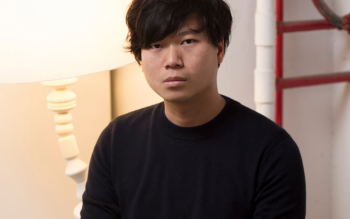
(195, 111)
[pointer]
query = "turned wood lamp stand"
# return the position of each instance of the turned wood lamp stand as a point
(61, 100)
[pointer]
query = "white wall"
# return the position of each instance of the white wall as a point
(32, 180)
(341, 121)
(308, 110)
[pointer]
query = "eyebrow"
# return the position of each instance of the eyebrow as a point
(186, 32)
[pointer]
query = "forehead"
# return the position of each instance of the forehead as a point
(190, 24)
(192, 21)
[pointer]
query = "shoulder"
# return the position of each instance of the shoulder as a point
(258, 122)
(124, 127)
(249, 119)
(135, 118)
(254, 129)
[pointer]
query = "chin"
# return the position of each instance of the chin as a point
(175, 98)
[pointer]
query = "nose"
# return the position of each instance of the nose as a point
(173, 58)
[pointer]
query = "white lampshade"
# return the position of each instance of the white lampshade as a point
(44, 40)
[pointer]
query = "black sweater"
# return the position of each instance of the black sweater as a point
(239, 165)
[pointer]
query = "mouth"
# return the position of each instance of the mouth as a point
(174, 81)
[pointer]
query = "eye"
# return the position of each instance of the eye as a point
(155, 46)
(189, 41)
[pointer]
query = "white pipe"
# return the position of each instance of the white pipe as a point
(264, 74)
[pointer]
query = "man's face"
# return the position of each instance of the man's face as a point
(183, 65)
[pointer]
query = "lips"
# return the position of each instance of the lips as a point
(174, 81)
(176, 78)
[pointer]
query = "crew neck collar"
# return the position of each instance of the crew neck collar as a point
(197, 132)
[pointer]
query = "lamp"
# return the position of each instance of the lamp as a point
(59, 40)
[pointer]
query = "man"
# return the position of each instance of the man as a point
(198, 154)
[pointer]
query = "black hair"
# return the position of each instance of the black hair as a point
(151, 21)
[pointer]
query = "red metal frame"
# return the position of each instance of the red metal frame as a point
(331, 21)
(287, 27)
(279, 63)
(284, 83)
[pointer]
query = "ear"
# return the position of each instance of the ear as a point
(221, 51)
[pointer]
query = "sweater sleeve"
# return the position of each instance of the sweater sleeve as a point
(100, 199)
(281, 190)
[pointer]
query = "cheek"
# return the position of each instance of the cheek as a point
(150, 62)
(204, 63)
(149, 70)
(147, 64)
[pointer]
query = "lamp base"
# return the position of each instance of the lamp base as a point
(61, 100)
